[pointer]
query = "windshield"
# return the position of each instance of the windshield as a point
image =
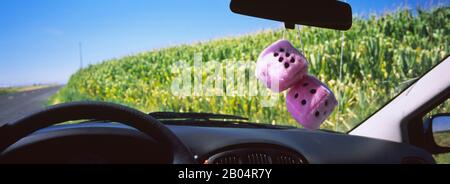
(180, 56)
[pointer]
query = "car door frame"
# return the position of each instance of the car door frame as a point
(410, 126)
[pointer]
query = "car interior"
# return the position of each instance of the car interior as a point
(104, 132)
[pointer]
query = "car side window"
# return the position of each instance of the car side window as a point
(442, 108)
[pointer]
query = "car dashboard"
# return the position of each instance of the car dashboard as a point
(225, 145)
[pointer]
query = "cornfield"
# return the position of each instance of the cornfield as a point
(382, 55)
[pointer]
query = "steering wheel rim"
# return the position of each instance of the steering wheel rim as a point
(13, 132)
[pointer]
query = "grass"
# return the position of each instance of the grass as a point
(442, 158)
(9, 90)
(442, 139)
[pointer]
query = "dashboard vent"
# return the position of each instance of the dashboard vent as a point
(287, 159)
(259, 158)
(256, 156)
(230, 159)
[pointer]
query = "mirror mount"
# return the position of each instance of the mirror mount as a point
(289, 25)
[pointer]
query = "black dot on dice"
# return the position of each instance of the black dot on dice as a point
(286, 65)
(305, 84)
(292, 60)
(326, 102)
(287, 54)
(280, 59)
(296, 95)
(275, 54)
(281, 50)
(317, 114)
(303, 102)
(313, 91)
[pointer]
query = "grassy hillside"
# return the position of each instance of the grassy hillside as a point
(382, 56)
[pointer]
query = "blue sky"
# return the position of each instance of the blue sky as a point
(39, 38)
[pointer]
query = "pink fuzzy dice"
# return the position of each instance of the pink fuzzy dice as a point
(310, 102)
(280, 66)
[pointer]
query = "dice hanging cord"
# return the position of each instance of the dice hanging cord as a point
(340, 80)
(300, 38)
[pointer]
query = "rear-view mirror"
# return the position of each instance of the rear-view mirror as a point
(331, 14)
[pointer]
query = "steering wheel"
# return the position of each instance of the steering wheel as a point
(13, 132)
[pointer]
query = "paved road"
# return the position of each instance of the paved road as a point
(16, 105)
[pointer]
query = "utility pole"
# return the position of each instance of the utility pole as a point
(81, 56)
